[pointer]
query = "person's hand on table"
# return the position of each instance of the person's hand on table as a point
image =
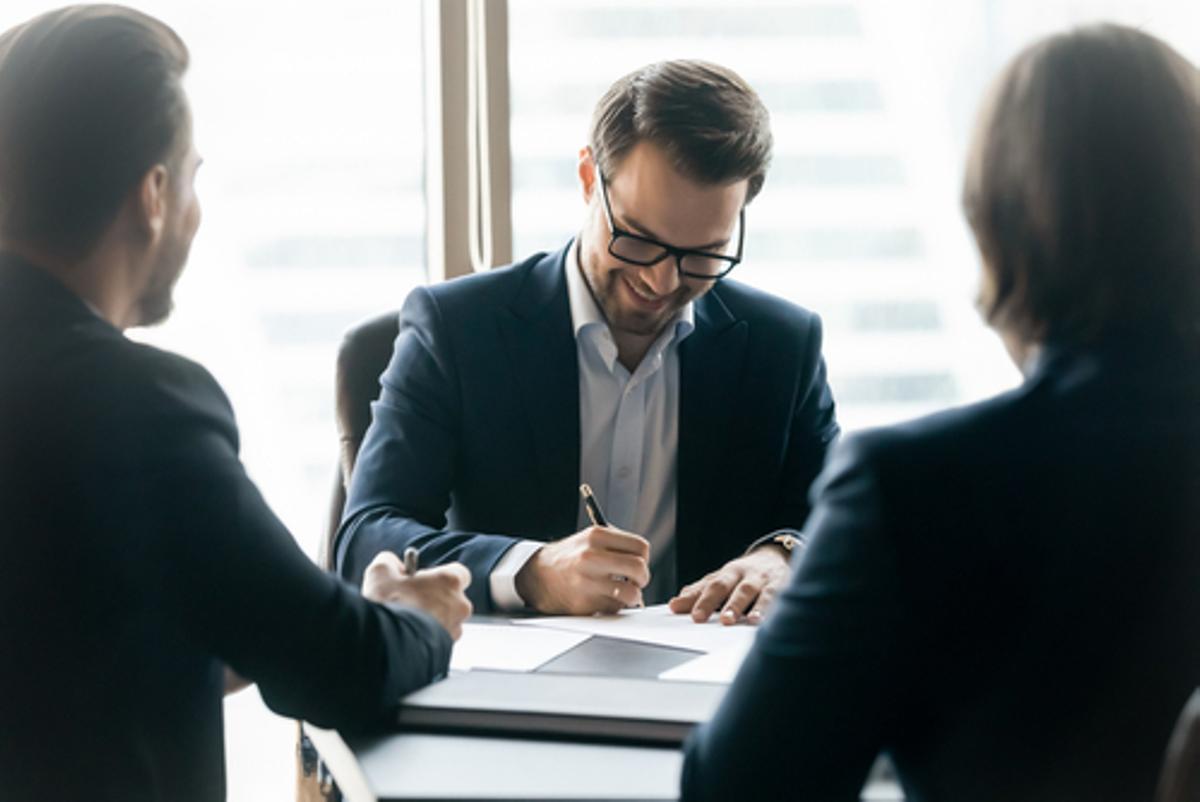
(741, 590)
(438, 591)
(601, 569)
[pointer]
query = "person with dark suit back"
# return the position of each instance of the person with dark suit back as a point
(138, 559)
(696, 408)
(1005, 598)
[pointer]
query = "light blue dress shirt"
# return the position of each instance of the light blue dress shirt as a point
(629, 430)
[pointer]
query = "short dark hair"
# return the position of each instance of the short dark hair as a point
(90, 99)
(1083, 189)
(707, 119)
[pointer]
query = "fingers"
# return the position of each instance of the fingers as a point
(443, 588)
(455, 574)
(460, 610)
(385, 564)
(765, 598)
(716, 590)
(608, 595)
(610, 539)
(381, 576)
(439, 591)
(685, 599)
(616, 593)
(740, 600)
(603, 564)
(457, 578)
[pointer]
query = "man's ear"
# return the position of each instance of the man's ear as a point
(587, 173)
(151, 201)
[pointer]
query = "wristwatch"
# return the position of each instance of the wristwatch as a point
(789, 543)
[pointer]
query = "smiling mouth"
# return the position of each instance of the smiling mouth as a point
(647, 300)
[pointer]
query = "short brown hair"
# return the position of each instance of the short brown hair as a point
(1083, 189)
(90, 99)
(709, 121)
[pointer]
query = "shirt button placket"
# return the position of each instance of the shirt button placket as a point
(627, 455)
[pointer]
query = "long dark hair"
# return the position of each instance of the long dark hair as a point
(1083, 189)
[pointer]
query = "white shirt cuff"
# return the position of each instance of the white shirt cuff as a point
(503, 579)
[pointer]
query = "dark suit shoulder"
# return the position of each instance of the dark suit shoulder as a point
(499, 287)
(176, 379)
(145, 386)
(760, 307)
(947, 425)
(945, 447)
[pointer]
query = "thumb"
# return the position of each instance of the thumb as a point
(388, 563)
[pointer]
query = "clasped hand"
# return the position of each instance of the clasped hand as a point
(438, 591)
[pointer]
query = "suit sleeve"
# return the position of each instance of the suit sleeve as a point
(814, 429)
(810, 708)
(400, 491)
(243, 590)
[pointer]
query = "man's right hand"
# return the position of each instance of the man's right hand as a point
(438, 591)
(598, 570)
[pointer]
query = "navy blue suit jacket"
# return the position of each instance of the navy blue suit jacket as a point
(1005, 597)
(137, 559)
(474, 442)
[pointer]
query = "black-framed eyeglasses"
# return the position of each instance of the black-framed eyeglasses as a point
(644, 251)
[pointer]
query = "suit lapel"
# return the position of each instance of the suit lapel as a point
(710, 367)
(537, 333)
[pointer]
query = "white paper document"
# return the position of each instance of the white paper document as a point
(720, 666)
(656, 625)
(501, 647)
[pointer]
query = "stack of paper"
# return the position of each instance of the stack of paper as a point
(537, 641)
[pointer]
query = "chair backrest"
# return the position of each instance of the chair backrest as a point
(1180, 780)
(362, 357)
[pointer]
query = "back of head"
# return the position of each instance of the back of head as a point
(709, 122)
(1083, 189)
(90, 99)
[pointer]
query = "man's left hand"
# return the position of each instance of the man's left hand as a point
(742, 589)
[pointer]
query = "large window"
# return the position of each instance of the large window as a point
(871, 105)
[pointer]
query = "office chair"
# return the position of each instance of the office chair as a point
(362, 357)
(1180, 780)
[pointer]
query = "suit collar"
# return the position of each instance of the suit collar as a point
(543, 366)
(712, 312)
(542, 292)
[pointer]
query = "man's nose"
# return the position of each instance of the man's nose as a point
(662, 278)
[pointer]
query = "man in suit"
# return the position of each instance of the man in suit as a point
(695, 407)
(1005, 597)
(138, 559)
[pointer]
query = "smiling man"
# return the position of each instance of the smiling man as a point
(695, 407)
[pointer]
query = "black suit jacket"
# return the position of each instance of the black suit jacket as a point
(138, 558)
(474, 441)
(1006, 598)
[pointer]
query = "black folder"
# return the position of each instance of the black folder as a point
(565, 706)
